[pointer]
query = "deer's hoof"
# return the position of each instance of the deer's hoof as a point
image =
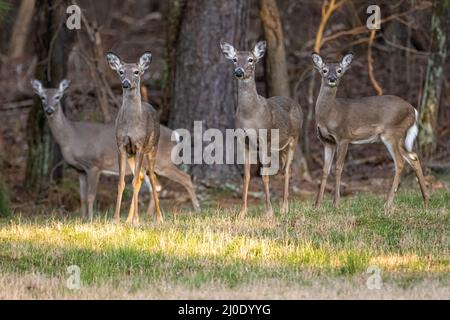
(129, 221)
(285, 209)
(388, 209)
(242, 214)
(269, 213)
(426, 201)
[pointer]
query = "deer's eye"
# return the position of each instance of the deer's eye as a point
(339, 71)
(57, 97)
(121, 72)
(234, 60)
(136, 72)
(250, 60)
(325, 71)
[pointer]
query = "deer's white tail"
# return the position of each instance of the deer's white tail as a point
(411, 136)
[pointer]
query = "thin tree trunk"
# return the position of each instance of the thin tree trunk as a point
(4, 201)
(173, 22)
(21, 29)
(276, 66)
(434, 78)
(204, 88)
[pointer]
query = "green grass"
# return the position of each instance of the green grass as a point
(215, 248)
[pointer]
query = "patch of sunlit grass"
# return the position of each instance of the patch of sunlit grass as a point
(215, 248)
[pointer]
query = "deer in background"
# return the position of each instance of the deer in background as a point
(137, 133)
(257, 112)
(91, 149)
(363, 120)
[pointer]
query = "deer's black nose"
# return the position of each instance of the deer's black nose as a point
(239, 73)
(49, 111)
(126, 84)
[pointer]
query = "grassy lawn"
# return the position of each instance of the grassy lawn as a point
(307, 254)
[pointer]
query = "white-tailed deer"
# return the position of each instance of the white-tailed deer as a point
(256, 112)
(137, 133)
(363, 120)
(91, 149)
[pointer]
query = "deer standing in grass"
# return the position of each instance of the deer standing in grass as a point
(256, 112)
(137, 134)
(91, 149)
(363, 120)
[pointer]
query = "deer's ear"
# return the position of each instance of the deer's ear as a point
(37, 86)
(347, 61)
(260, 49)
(63, 86)
(228, 50)
(317, 61)
(114, 61)
(144, 61)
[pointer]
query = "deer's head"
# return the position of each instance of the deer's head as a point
(244, 61)
(130, 73)
(51, 98)
(332, 72)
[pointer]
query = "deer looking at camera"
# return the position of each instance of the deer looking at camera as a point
(91, 149)
(137, 134)
(363, 120)
(257, 112)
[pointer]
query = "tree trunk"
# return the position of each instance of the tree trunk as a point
(21, 29)
(205, 89)
(276, 66)
(434, 78)
(52, 45)
(4, 201)
(173, 22)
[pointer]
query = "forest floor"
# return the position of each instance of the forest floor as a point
(324, 253)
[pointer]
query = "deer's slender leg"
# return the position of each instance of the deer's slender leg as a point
(83, 194)
(151, 205)
(392, 145)
(413, 160)
(93, 177)
(121, 183)
(329, 151)
(266, 183)
(340, 160)
(287, 176)
(133, 215)
(178, 176)
(136, 201)
(246, 184)
(153, 181)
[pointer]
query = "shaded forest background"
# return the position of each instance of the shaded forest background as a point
(189, 80)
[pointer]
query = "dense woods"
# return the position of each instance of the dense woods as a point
(190, 81)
